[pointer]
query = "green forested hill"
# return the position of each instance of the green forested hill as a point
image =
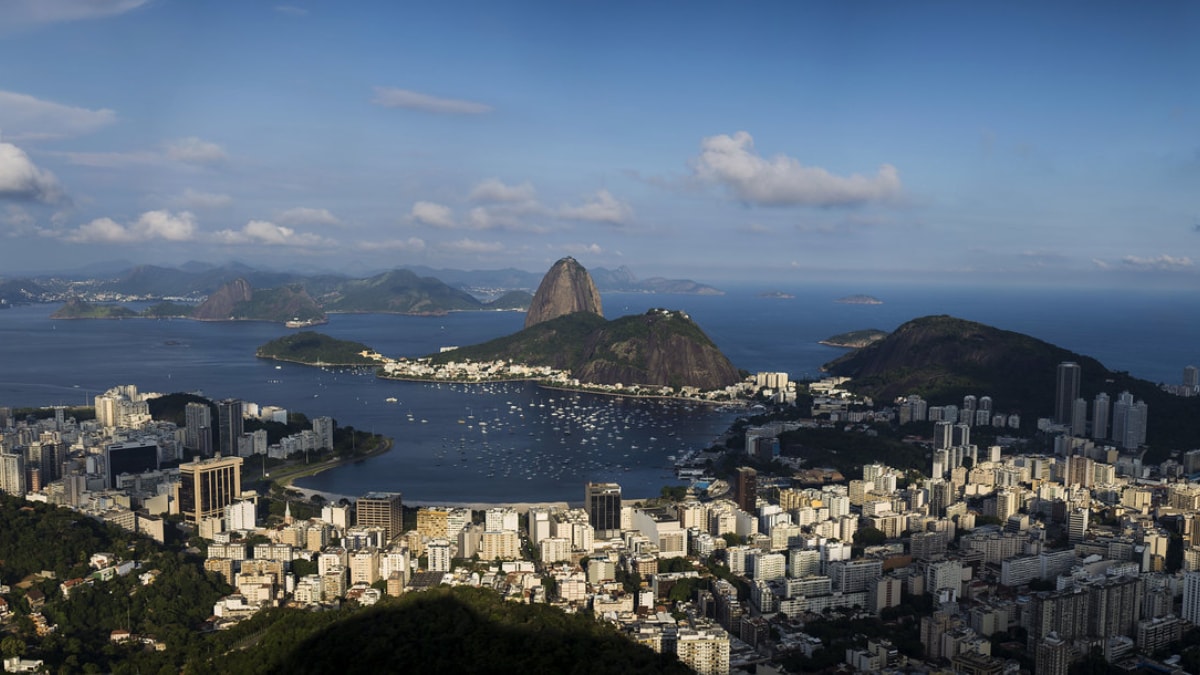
(313, 348)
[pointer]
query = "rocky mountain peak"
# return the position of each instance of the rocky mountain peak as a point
(567, 288)
(219, 306)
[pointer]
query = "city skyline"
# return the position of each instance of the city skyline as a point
(1015, 144)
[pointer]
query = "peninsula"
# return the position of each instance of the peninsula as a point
(859, 300)
(855, 339)
(316, 349)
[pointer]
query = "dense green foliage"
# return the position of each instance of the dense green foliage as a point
(29, 526)
(77, 309)
(40, 537)
(166, 310)
(557, 343)
(444, 630)
(312, 348)
(849, 451)
(173, 407)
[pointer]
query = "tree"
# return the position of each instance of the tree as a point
(869, 536)
(12, 646)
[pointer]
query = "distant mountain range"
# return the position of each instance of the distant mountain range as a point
(337, 292)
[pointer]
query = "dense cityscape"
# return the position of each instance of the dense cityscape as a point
(988, 561)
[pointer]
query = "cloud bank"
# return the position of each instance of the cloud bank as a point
(162, 225)
(21, 179)
(733, 162)
(25, 117)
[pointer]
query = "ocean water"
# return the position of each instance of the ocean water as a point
(517, 442)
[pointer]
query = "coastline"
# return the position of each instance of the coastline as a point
(553, 387)
(310, 470)
(322, 364)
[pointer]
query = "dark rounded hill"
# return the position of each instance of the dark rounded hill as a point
(442, 630)
(658, 348)
(944, 358)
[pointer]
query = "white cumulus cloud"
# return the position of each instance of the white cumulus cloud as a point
(391, 97)
(433, 214)
(495, 190)
(192, 150)
(302, 215)
(266, 232)
(732, 161)
(25, 117)
(163, 225)
(1162, 262)
(21, 179)
(601, 207)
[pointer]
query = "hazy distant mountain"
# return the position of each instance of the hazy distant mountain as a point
(620, 279)
(238, 300)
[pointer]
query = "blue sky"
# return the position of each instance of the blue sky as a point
(1030, 143)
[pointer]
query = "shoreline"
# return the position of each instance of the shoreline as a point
(313, 469)
(576, 390)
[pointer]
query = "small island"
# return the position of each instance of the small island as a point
(778, 295)
(316, 349)
(859, 300)
(855, 339)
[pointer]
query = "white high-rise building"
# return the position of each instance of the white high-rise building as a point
(1191, 598)
(706, 650)
(500, 519)
(240, 515)
(439, 554)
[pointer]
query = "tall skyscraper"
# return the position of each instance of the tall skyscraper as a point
(1100, 414)
(229, 422)
(1066, 392)
(197, 435)
(12, 474)
(207, 486)
(1191, 376)
(1079, 418)
(746, 490)
(381, 509)
(602, 501)
(1129, 421)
